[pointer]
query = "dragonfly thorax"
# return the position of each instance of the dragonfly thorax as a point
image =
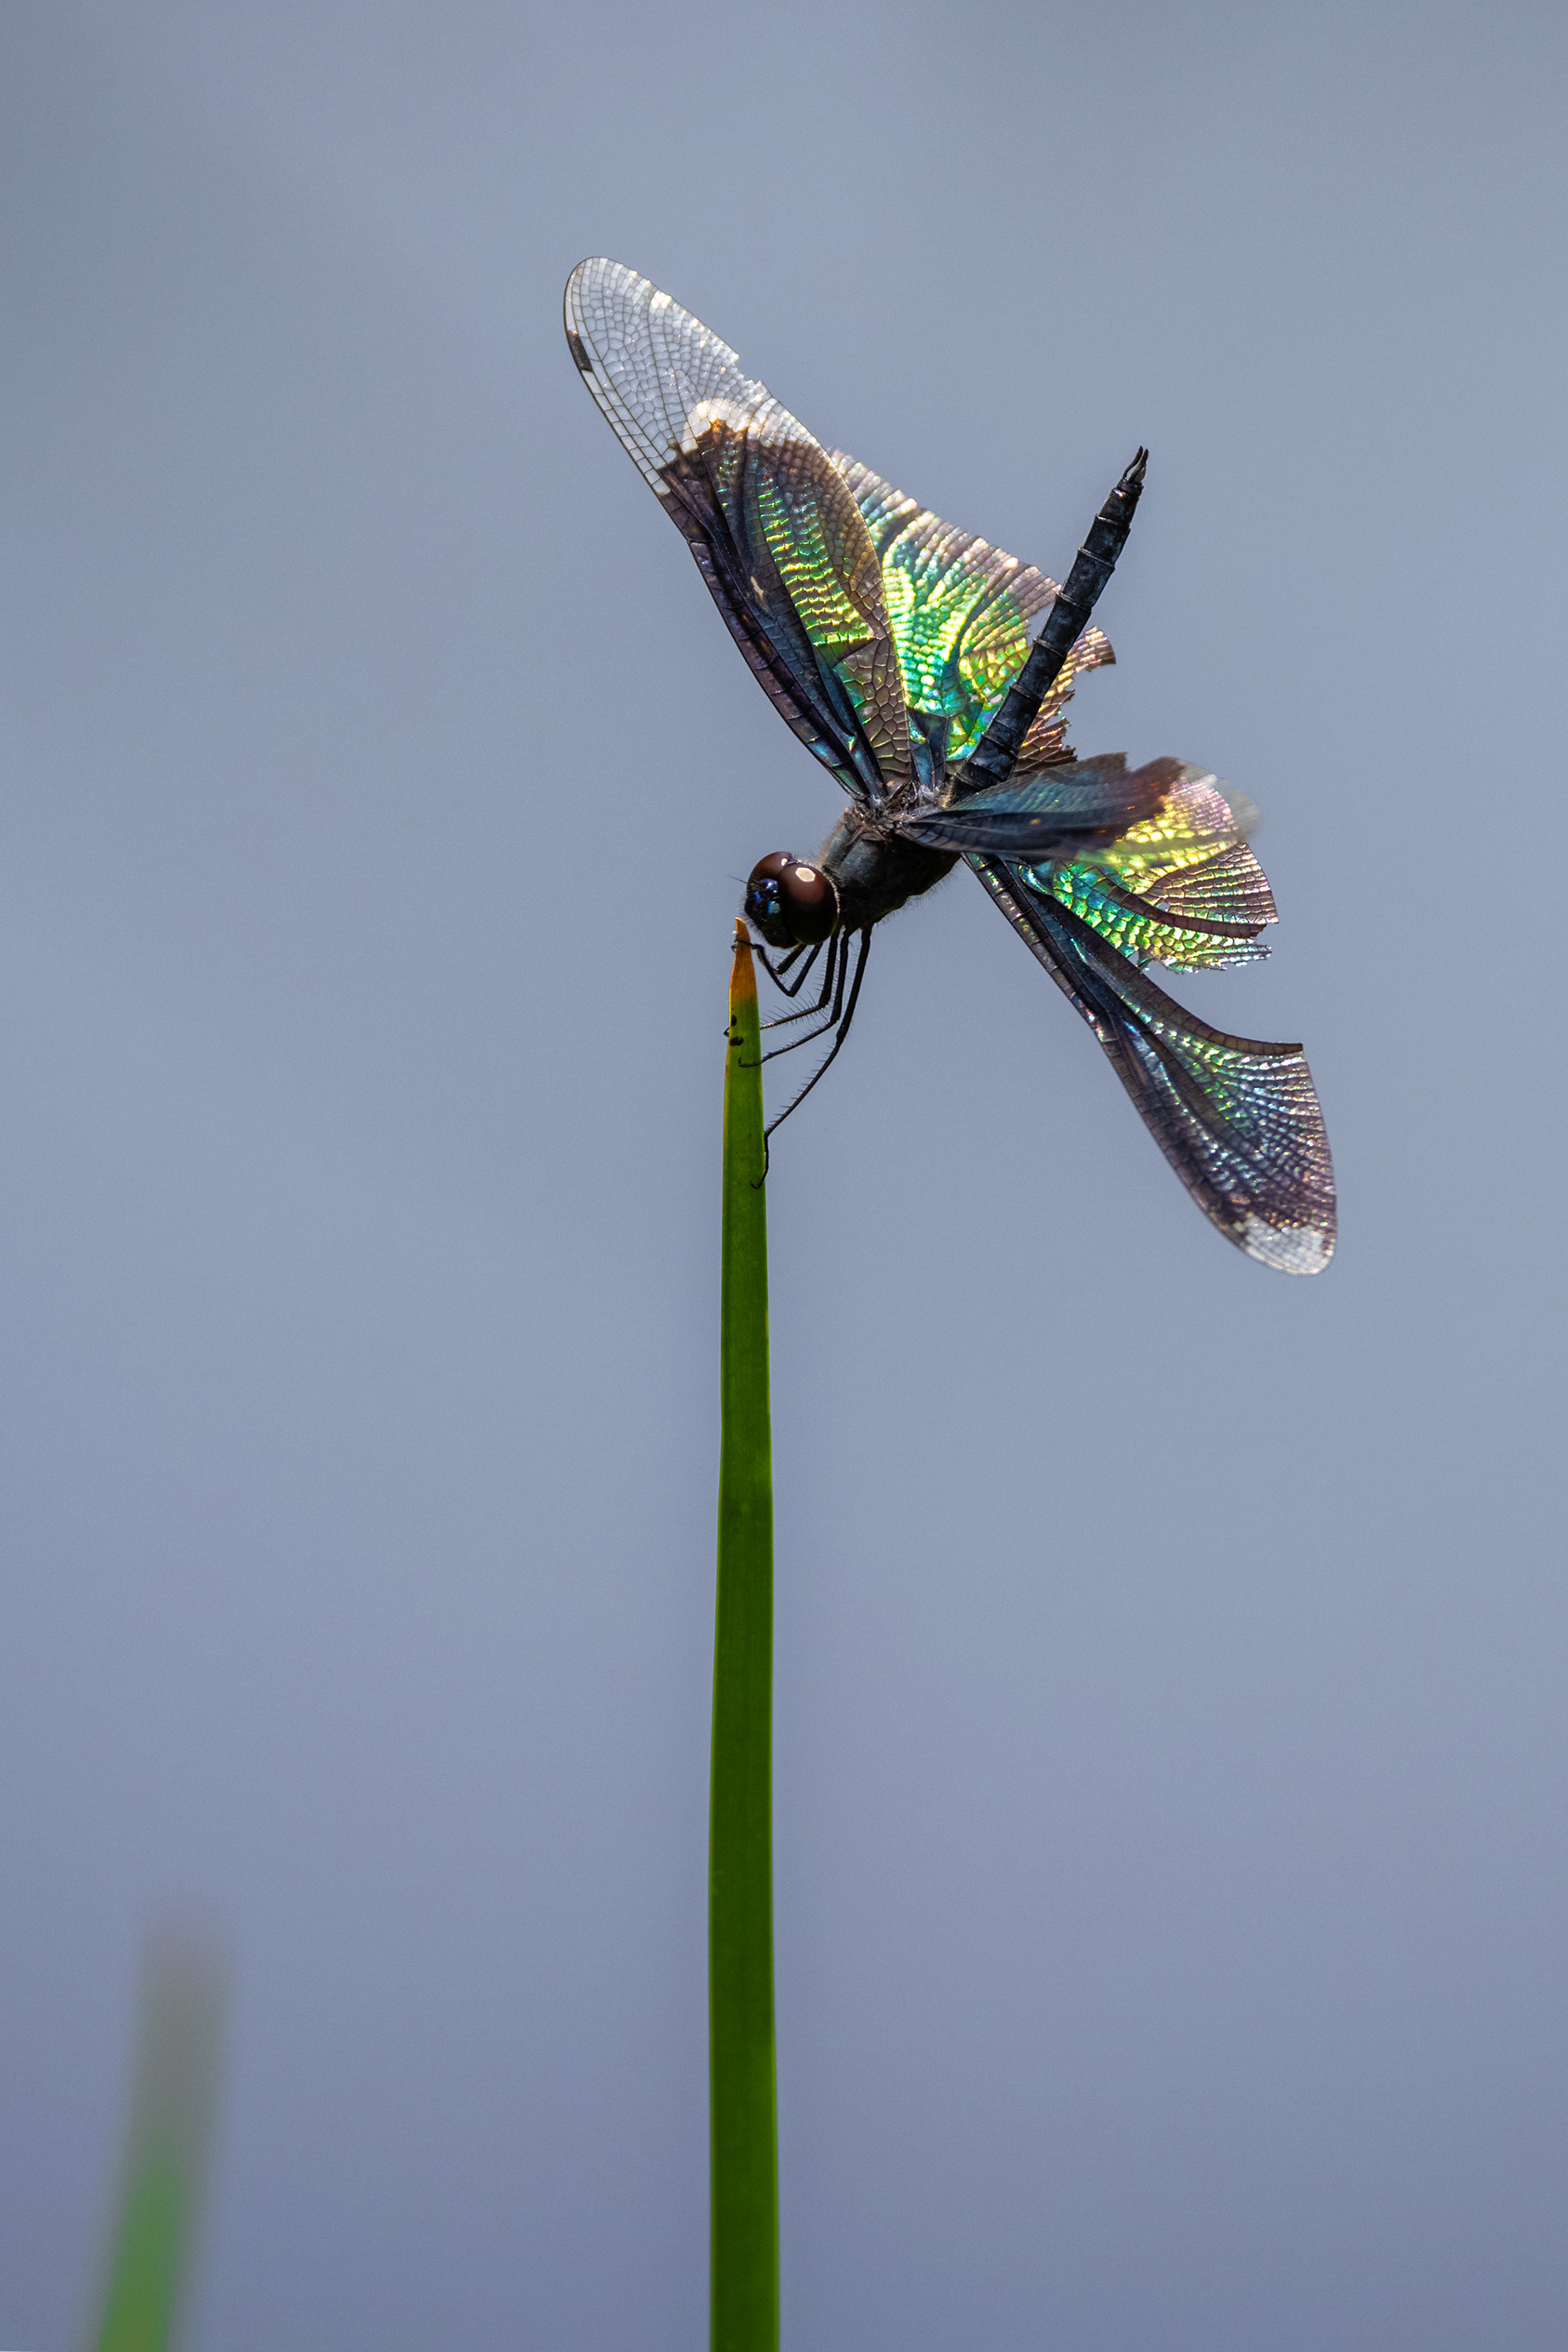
(876, 873)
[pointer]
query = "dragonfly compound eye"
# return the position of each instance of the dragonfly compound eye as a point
(792, 904)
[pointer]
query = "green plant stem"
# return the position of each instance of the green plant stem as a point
(744, 2146)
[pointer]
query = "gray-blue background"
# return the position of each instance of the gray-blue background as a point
(1172, 1913)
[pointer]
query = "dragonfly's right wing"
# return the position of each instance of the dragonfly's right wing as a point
(1236, 1117)
(770, 519)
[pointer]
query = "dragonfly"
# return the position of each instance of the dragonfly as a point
(899, 649)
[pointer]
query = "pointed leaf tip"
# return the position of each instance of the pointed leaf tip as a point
(743, 973)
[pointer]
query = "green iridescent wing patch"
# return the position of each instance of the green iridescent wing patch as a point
(1236, 1117)
(1152, 858)
(1181, 887)
(770, 520)
(1141, 930)
(960, 610)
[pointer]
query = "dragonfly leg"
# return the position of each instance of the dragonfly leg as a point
(834, 980)
(806, 1011)
(775, 1124)
(775, 971)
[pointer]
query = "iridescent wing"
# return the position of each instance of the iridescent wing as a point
(1153, 858)
(960, 611)
(1237, 1118)
(1181, 889)
(769, 518)
(1177, 884)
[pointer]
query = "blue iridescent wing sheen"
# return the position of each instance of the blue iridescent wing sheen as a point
(772, 523)
(960, 610)
(1236, 1117)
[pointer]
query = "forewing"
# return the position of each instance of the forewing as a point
(1236, 1117)
(770, 520)
(960, 611)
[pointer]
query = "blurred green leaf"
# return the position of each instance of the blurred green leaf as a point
(169, 2143)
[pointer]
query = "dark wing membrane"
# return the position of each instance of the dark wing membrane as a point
(1071, 805)
(1237, 1118)
(960, 611)
(776, 532)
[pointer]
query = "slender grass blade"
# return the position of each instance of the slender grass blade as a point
(744, 2128)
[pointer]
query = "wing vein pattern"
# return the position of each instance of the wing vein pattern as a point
(1236, 1117)
(776, 533)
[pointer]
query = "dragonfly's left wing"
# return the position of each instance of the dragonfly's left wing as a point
(770, 519)
(960, 610)
(1236, 1117)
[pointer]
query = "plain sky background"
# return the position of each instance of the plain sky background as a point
(1172, 1657)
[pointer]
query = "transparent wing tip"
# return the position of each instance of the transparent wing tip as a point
(1291, 1249)
(1247, 814)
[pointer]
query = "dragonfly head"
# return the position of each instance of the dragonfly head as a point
(792, 904)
